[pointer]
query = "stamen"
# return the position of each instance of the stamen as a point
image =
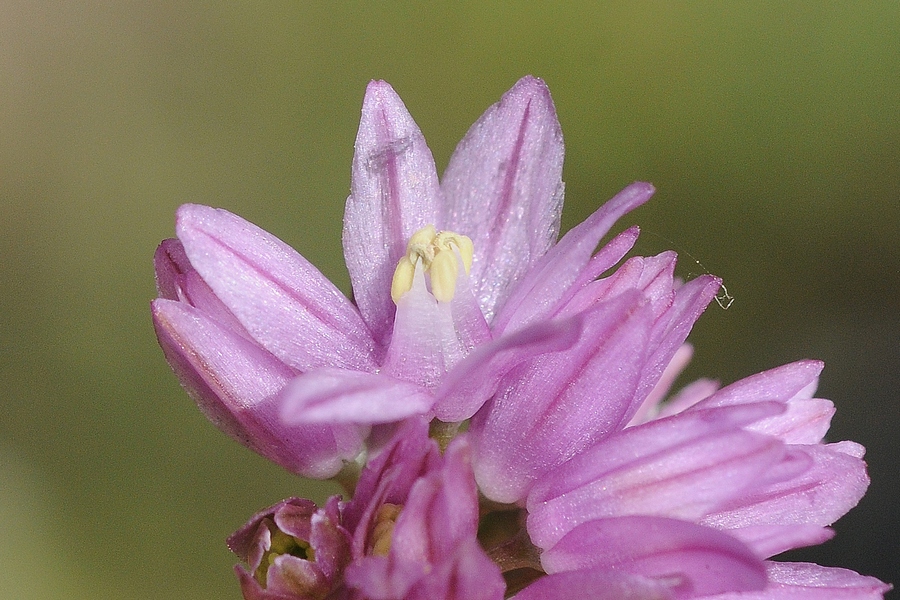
(436, 252)
(383, 531)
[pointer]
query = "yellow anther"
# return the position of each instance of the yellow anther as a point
(436, 252)
(443, 276)
(403, 278)
(383, 531)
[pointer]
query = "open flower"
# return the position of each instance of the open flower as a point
(453, 285)
(572, 475)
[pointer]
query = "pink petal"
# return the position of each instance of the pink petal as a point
(594, 584)
(769, 540)
(698, 560)
(805, 581)
(781, 383)
(284, 302)
(608, 256)
(234, 382)
(550, 279)
(394, 192)
(468, 574)
(342, 396)
(441, 511)
(820, 495)
(806, 421)
(682, 467)
(503, 188)
(550, 408)
(688, 396)
(476, 378)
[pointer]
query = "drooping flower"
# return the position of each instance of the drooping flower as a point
(573, 475)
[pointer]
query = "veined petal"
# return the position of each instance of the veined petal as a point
(781, 383)
(695, 560)
(234, 382)
(683, 467)
(538, 294)
(806, 421)
(284, 302)
(806, 581)
(820, 495)
(769, 540)
(595, 584)
(394, 192)
(441, 511)
(550, 408)
(503, 188)
(328, 395)
(476, 378)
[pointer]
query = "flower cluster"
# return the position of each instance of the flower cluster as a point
(496, 402)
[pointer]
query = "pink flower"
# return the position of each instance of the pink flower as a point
(574, 475)
(285, 364)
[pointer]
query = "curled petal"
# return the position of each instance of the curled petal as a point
(170, 263)
(342, 396)
(284, 302)
(393, 193)
(476, 378)
(503, 188)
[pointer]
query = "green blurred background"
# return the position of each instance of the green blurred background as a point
(771, 130)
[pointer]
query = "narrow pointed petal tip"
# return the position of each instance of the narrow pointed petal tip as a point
(394, 192)
(551, 279)
(503, 189)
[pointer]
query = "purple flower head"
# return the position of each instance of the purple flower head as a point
(497, 401)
